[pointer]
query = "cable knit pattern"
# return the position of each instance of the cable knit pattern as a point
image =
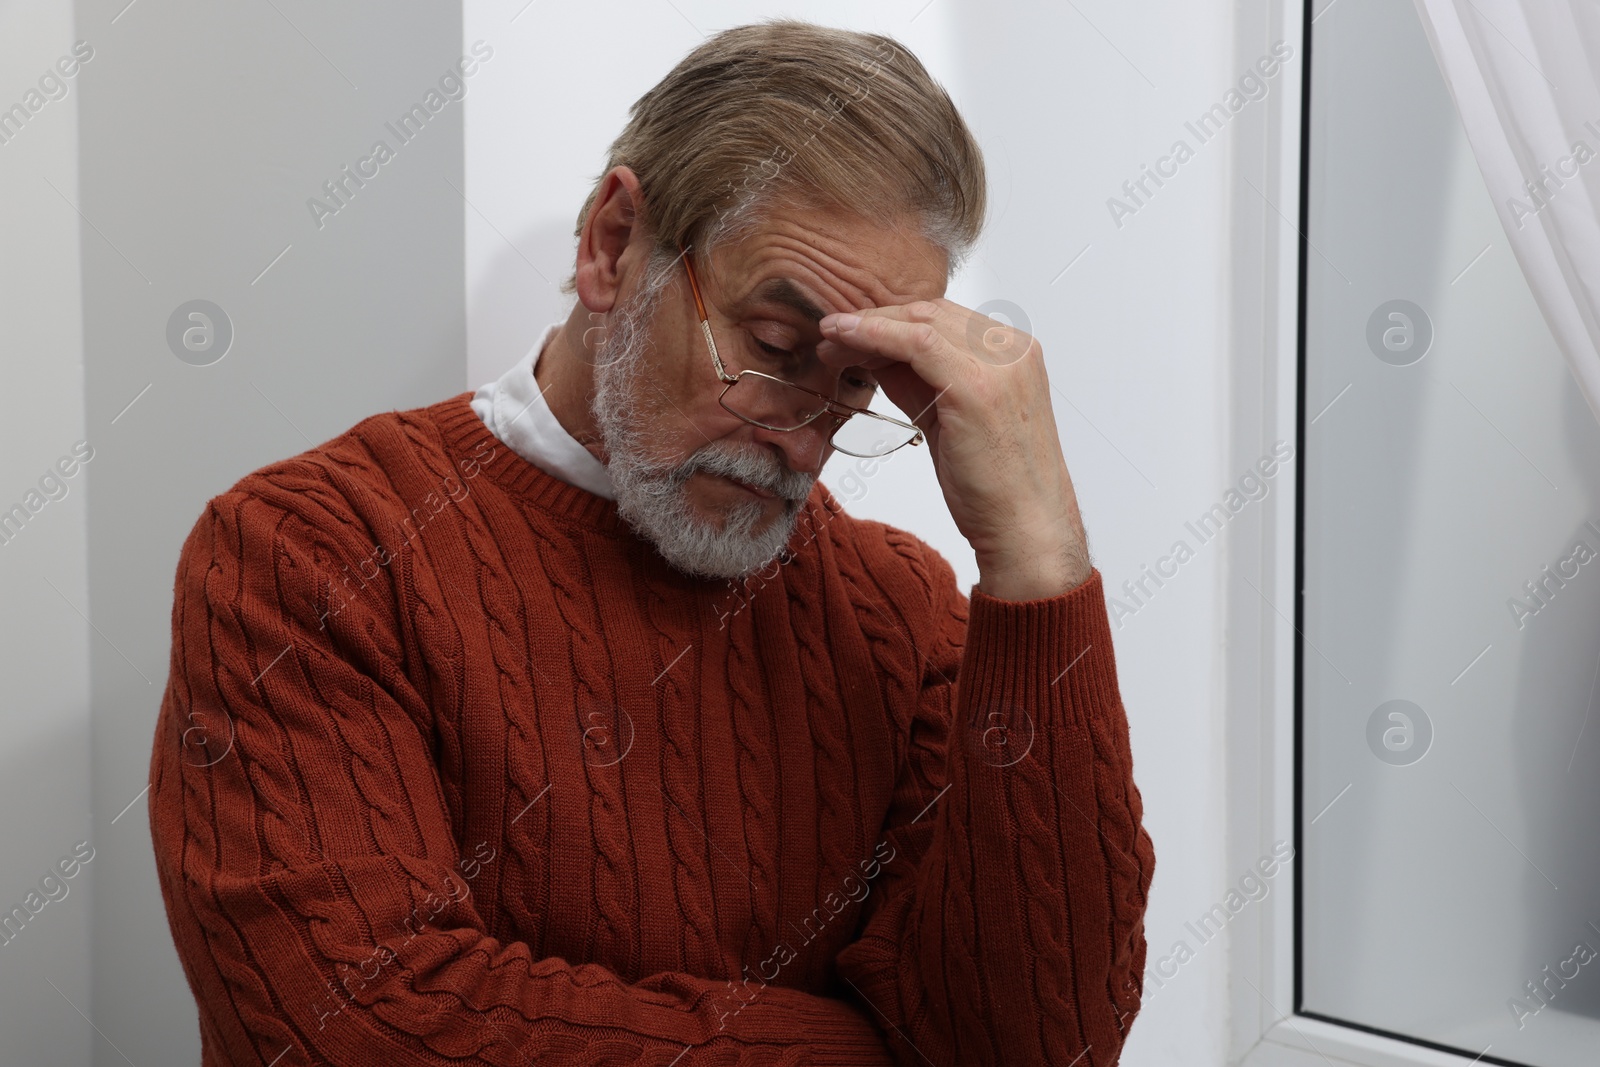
(453, 769)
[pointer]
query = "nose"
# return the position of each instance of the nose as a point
(805, 449)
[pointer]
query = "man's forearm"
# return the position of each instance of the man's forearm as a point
(1022, 938)
(1055, 837)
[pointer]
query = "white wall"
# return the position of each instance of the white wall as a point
(178, 165)
(1068, 102)
(44, 640)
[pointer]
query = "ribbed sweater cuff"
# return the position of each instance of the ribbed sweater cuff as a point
(838, 1032)
(1019, 651)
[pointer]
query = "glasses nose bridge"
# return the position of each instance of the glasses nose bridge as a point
(770, 401)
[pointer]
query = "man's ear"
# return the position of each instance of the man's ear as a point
(613, 237)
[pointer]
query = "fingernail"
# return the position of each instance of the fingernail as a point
(845, 323)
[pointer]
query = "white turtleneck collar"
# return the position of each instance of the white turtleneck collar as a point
(514, 409)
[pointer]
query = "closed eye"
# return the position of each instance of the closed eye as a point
(861, 386)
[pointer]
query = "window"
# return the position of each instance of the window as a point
(1449, 761)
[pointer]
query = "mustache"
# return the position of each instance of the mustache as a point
(756, 466)
(748, 463)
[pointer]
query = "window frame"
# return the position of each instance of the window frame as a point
(1262, 608)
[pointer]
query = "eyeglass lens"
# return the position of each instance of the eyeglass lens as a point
(782, 406)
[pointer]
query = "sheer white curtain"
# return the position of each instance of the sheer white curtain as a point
(1524, 77)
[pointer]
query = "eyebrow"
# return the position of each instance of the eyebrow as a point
(785, 292)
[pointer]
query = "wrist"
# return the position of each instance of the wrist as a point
(1037, 578)
(1041, 559)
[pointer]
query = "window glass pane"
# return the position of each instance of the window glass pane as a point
(1450, 778)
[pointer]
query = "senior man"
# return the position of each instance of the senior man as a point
(464, 756)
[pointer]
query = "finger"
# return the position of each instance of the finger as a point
(907, 333)
(836, 351)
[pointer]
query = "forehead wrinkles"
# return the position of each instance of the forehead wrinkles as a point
(836, 284)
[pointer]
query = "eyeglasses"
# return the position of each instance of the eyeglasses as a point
(774, 404)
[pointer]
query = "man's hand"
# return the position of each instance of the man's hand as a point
(978, 390)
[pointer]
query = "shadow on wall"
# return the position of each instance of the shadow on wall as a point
(517, 296)
(52, 927)
(1557, 759)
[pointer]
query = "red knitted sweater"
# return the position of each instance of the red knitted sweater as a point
(453, 768)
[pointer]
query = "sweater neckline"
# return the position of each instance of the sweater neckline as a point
(465, 434)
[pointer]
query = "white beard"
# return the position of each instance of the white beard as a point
(651, 495)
